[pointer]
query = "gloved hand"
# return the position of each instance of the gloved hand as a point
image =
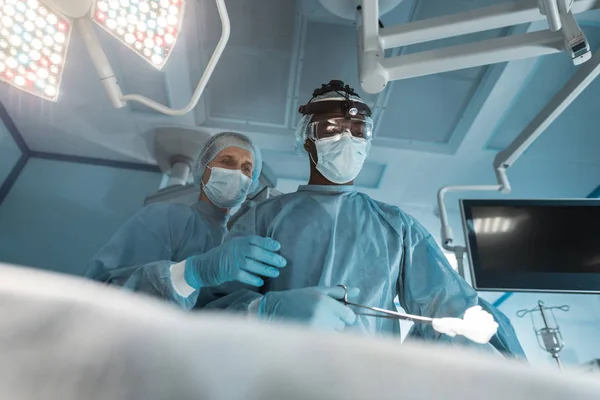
(242, 259)
(317, 306)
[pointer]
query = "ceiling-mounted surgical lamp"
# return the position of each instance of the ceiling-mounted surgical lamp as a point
(150, 29)
(35, 35)
(34, 39)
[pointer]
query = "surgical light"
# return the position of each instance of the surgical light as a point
(34, 40)
(148, 27)
(35, 35)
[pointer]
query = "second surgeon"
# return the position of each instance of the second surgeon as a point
(173, 250)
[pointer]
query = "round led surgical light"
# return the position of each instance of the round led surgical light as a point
(148, 27)
(35, 36)
(30, 31)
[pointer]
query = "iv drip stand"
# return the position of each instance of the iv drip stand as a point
(554, 353)
(549, 337)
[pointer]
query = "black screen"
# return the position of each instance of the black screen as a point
(534, 245)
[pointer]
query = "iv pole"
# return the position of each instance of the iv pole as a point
(553, 350)
(549, 337)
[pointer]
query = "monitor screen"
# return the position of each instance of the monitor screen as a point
(533, 245)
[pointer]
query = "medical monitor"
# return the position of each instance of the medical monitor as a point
(533, 245)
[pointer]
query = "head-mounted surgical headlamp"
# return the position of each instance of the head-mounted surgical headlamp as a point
(347, 107)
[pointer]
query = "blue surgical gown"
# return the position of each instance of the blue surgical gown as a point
(139, 256)
(333, 235)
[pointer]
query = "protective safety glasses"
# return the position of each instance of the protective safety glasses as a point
(335, 127)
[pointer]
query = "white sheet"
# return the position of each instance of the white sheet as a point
(66, 338)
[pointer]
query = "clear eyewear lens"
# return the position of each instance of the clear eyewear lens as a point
(335, 127)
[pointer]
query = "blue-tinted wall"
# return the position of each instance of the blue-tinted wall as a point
(57, 214)
(9, 153)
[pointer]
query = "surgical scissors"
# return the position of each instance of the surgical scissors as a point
(383, 312)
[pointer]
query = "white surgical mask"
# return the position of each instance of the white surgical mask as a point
(341, 159)
(226, 188)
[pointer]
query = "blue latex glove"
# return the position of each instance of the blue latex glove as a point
(242, 259)
(317, 306)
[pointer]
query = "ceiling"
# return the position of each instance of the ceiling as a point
(430, 131)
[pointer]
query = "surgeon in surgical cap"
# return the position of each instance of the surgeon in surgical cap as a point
(173, 251)
(332, 234)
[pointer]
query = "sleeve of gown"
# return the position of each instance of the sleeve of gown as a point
(428, 286)
(234, 296)
(505, 341)
(148, 235)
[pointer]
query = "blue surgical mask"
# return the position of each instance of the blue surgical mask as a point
(341, 158)
(226, 188)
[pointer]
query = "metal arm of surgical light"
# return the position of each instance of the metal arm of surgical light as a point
(111, 85)
(376, 71)
(506, 158)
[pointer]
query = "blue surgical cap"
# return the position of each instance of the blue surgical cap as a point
(302, 128)
(216, 144)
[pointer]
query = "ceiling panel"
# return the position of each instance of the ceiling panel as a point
(457, 40)
(261, 24)
(574, 135)
(251, 81)
(314, 11)
(438, 8)
(425, 109)
(436, 171)
(251, 86)
(470, 74)
(550, 74)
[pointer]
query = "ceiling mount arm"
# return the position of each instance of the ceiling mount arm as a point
(550, 9)
(584, 76)
(575, 41)
(370, 51)
(446, 234)
(376, 71)
(210, 67)
(103, 67)
(560, 17)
